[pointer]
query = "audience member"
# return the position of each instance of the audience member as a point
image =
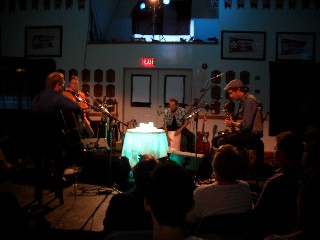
(126, 210)
(169, 197)
(16, 222)
(308, 198)
(275, 210)
(226, 194)
(49, 140)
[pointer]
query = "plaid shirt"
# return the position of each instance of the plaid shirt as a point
(168, 117)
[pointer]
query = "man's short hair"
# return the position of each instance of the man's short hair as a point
(173, 100)
(74, 77)
(53, 79)
(292, 144)
(228, 162)
(170, 194)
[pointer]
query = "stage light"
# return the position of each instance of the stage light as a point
(166, 2)
(142, 6)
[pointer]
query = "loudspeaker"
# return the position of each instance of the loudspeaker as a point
(189, 161)
(101, 168)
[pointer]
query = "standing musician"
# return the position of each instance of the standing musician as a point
(175, 121)
(73, 93)
(249, 130)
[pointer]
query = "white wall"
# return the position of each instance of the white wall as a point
(76, 53)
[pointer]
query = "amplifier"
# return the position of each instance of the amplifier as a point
(195, 163)
(95, 144)
(190, 161)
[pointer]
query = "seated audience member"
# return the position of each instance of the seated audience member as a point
(308, 198)
(126, 210)
(226, 194)
(275, 210)
(169, 197)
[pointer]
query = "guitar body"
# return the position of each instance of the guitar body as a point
(203, 145)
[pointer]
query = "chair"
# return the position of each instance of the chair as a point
(54, 136)
(74, 148)
(233, 226)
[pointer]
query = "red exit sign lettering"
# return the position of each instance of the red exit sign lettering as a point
(147, 62)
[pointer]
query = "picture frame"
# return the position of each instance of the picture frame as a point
(295, 46)
(174, 86)
(43, 41)
(140, 90)
(243, 45)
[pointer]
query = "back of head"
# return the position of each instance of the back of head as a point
(170, 194)
(228, 163)
(142, 170)
(292, 144)
(53, 79)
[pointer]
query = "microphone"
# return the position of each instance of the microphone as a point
(104, 109)
(219, 75)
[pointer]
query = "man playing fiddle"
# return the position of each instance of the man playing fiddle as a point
(73, 93)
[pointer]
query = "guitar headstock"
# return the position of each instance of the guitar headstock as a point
(214, 130)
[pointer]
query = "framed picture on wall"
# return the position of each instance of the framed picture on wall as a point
(243, 45)
(43, 41)
(299, 46)
(141, 90)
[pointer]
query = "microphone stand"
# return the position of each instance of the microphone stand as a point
(108, 114)
(194, 110)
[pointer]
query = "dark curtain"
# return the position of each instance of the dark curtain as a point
(294, 96)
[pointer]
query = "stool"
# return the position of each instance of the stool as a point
(74, 172)
(258, 151)
(175, 144)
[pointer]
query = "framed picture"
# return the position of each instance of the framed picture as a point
(43, 41)
(297, 46)
(243, 45)
(174, 86)
(141, 90)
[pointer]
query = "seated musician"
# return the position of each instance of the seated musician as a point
(73, 93)
(175, 121)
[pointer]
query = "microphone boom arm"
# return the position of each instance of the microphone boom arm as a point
(105, 111)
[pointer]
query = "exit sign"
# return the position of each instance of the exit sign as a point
(147, 62)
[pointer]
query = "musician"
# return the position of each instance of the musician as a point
(248, 130)
(73, 93)
(48, 142)
(175, 120)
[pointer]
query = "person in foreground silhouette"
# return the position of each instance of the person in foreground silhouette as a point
(275, 210)
(308, 207)
(126, 210)
(169, 197)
